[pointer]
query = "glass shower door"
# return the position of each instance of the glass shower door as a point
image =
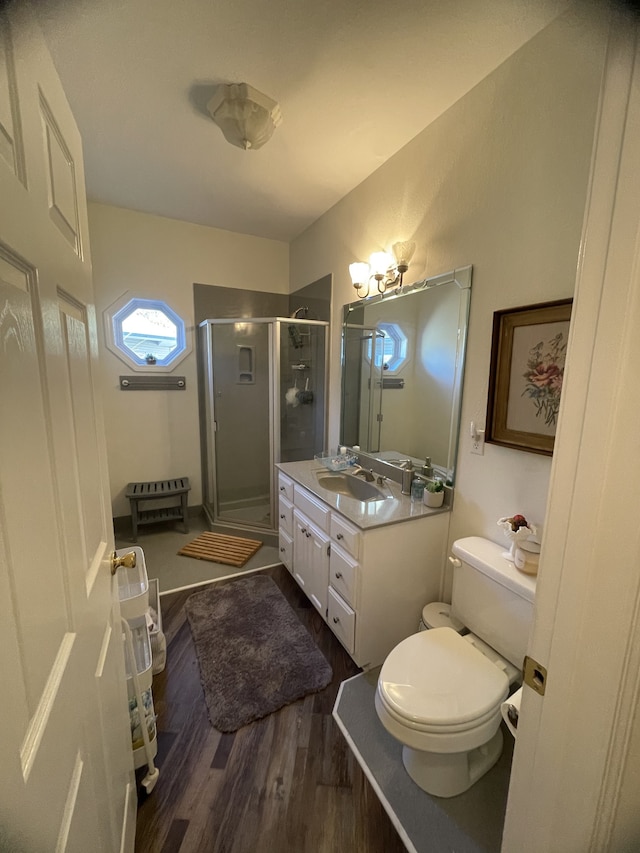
(242, 422)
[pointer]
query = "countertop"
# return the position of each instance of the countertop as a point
(395, 509)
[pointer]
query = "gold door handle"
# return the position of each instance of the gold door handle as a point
(127, 560)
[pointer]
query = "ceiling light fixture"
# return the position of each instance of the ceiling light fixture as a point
(388, 270)
(246, 116)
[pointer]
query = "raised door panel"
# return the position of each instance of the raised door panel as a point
(342, 620)
(318, 512)
(61, 178)
(285, 515)
(11, 150)
(301, 548)
(286, 549)
(285, 487)
(343, 574)
(347, 535)
(319, 557)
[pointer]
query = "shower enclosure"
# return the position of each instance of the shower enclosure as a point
(263, 392)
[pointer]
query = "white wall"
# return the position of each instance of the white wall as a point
(154, 435)
(499, 182)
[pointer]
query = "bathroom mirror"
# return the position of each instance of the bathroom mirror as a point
(402, 367)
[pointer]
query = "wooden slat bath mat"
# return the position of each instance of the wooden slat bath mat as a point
(218, 548)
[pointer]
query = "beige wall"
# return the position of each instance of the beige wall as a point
(499, 182)
(153, 435)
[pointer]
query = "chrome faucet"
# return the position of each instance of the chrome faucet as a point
(359, 470)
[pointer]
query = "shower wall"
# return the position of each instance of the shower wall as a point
(302, 391)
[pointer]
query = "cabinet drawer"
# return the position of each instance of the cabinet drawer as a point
(315, 511)
(345, 534)
(285, 487)
(342, 620)
(286, 549)
(343, 575)
(285, 515)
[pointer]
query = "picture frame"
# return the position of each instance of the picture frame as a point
(528, 352)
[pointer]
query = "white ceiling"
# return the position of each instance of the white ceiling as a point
(355, 80)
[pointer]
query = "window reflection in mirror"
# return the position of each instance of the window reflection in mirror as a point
(411, 409)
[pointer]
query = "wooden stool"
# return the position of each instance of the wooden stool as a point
(158, 490)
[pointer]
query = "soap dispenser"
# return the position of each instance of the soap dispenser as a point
(427, 468)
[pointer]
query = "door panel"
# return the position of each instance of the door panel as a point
(242, 407)
(11, 150)
(67, 773)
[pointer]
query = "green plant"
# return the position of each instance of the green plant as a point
(434, 486)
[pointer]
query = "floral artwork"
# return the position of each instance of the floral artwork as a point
(528, 352)
(544, 375)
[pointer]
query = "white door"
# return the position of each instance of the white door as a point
(574, 785)
(66, 777)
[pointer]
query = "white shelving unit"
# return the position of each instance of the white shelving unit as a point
(133, 591)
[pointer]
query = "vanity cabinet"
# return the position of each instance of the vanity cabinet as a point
(369, 585)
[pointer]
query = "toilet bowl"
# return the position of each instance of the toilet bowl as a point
(440, 693)
(440, 697)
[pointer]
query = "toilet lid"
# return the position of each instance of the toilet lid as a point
(437, 678)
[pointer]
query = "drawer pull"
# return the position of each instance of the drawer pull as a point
(282, 550)
(339, 536)
(308, 535)
(282, 515)
(338, 575)
(282, 489)
(303, 530)
(335, 620)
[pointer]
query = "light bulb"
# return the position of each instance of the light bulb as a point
(381, 263)
(403, 252)
(359, 272)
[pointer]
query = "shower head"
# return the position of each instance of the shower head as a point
(297, 311)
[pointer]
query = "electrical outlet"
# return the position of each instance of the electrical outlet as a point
(477, 444)
(477, 440)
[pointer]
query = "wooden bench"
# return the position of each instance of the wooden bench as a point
(158, 490)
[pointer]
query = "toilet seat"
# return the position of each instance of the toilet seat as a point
(437, 682)
(426, 728)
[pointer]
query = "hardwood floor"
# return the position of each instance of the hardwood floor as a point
(285, 784)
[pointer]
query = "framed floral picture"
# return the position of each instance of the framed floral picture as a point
(528, 351)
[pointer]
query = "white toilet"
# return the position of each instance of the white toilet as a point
(439, 693)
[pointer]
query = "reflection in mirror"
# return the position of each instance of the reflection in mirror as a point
(402, 365)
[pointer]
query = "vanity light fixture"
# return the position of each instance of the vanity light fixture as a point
(246, 117)
(388, 270)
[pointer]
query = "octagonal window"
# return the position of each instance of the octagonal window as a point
(391, 350)
(148, 332)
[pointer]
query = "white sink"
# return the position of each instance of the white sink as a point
(351, 486)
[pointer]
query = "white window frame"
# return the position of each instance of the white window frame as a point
(399, 359)
(116, 313)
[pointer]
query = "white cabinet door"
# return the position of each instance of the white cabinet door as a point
(319, 575)
(66, 773)
(311, 560)
(301, 551)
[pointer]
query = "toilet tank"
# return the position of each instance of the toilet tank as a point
(491, 597)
